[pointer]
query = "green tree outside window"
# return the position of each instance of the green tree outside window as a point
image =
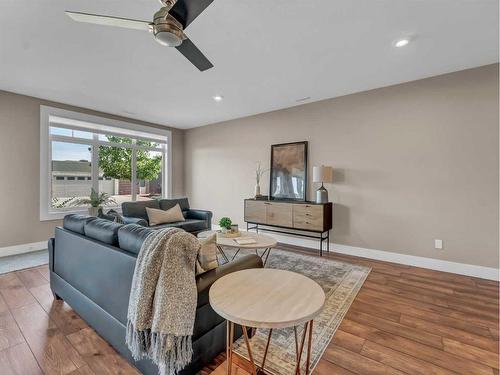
(115, 162)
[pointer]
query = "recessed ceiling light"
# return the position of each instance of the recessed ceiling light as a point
(401, 43)
(218, 98)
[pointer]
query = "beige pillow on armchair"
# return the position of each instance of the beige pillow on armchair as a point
(207, 256)
(156, 216)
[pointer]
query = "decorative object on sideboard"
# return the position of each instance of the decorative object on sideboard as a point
(323, 174)
(259, 172)
(288, 177)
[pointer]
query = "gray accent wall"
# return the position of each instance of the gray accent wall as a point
(412, 163)
(20, 163)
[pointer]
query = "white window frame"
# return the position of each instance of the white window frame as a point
(50, 116)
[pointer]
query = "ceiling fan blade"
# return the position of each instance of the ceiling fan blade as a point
(185, 11)
(109, 21)
(193, 54)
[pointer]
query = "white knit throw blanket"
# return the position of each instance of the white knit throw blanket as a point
(162, 304)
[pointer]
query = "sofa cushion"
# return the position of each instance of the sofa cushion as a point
(103, 230)
(171, 215)
(76, 223)
(138, 209)
(189, 225)
(165, 204)
(132, 236)
(193, 225)
(177, 224)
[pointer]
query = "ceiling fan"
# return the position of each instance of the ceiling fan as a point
(167, 26)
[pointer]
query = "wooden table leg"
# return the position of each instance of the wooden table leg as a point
(309, 344)
(296, 343)
(229, 346)
(250, 355)
(301, 348)
(267, 348)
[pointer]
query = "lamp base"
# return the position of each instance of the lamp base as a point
(322, 195)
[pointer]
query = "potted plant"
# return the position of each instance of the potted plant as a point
(225, 224)
(95, 200)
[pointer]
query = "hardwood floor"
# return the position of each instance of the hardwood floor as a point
(39, 335)
(409, 320)
(405, 320)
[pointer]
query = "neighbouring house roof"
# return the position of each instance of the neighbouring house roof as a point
(71, 166)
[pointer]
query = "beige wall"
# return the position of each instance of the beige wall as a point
(413, 163)
(20, 164)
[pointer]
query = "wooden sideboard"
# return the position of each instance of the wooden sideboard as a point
(291, 217)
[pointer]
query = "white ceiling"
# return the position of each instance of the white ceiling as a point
(267, 54)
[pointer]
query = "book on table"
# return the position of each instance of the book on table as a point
(245, 240)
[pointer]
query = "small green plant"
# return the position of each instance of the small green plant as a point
(225, 222)
(94, 200)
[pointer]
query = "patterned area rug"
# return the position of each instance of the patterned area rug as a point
(340, 281)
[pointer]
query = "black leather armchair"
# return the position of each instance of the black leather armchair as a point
(195, 220)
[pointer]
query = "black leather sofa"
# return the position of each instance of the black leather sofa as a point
(91, 264)
(195, 220)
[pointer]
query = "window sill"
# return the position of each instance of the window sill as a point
(51, 216)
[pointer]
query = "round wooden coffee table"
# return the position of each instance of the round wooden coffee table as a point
(263, 241)
(267, 298)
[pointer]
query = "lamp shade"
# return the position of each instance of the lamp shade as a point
(323, 174)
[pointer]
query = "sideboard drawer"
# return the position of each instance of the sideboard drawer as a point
(310, 210)
(279, 214)
(308, 217)
(255, 212)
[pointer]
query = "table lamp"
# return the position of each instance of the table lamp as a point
(322, 174)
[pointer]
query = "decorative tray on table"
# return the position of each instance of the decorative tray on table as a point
(229, 234)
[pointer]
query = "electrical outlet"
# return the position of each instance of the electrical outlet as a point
(438, 244)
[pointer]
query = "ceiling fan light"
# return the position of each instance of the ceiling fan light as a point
(168, 38)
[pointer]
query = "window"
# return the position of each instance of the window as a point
(80, 152)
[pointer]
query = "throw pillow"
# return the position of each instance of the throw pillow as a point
(111, 215)
(171, 215)
(102, 215)
(116, 215)
(207, 256)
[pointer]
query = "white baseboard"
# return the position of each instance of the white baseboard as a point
(23, 248)
(410, 260)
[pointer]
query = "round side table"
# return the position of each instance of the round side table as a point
(262, 241)
(267, 298)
